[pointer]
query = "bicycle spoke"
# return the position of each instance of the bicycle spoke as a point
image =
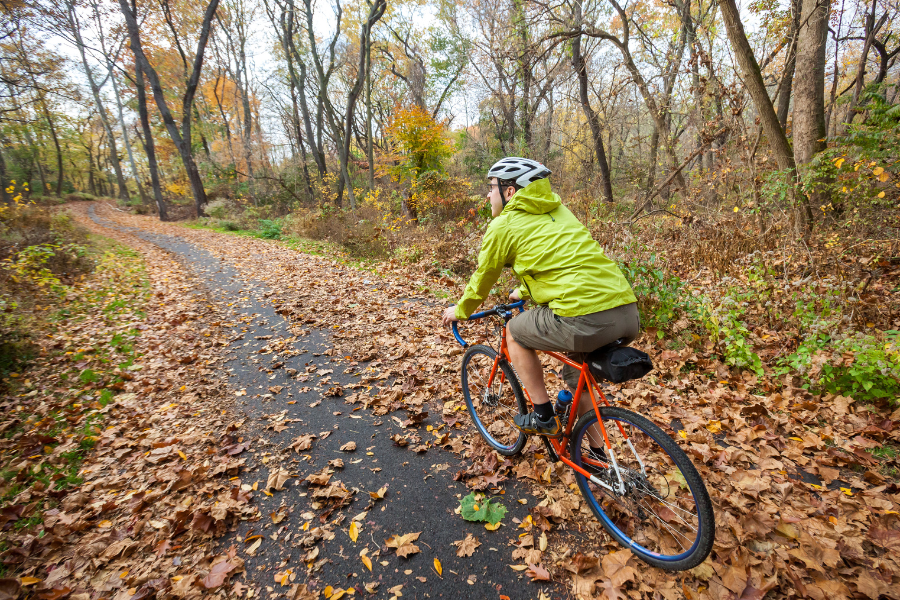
(655, 510)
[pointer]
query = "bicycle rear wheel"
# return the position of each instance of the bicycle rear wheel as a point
(493, 402)
(664, 516)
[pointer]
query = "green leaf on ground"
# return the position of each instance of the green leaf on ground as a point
(476, 507)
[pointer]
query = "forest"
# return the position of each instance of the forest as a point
(754, 148)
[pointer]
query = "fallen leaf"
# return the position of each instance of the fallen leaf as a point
(254, 547)
(404, 543)
(277, 480)
(538, 573)
(437, 567)
(348, 447)
(466, 547)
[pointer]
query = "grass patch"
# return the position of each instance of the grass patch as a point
(88, 343)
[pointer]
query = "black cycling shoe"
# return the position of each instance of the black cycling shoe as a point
(532, 423)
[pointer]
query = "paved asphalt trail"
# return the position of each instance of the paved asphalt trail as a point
(421, 493)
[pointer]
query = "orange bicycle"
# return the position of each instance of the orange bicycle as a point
(643, 488)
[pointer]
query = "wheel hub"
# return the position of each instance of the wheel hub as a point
(491, 399)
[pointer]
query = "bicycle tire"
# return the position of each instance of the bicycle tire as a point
(659, 463)
(497, 428)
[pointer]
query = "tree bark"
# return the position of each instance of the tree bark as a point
(182, 139)
(790, 63)
(755, 86)
(75, 28)
(376, 11)
(809, 89)
(578, 63)
(149, 145)
(370, 156)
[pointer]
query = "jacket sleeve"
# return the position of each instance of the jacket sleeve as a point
(495, 253)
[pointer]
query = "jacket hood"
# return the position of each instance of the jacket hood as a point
(536, 198)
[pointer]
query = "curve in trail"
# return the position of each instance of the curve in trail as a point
(421, 497)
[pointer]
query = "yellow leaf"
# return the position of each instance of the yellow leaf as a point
(881, 195)
(714, 426)
(475, 507)
(877, 171)
(839, 162)
(328, 591)
(30, 580)
(883, 177)
(182, 455)
(437, 567)
(796, 439)
(123, 574)
(367, 561)
(354, 531)
(518, 567)
(736, 209)
(104, 524)
(543, 542)
(338, 593)
(847, 491)
(494, 527)
(682, 433)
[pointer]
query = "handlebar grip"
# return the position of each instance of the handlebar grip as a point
(459, 339)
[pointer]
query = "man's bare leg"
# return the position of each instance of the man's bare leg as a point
(530, 370)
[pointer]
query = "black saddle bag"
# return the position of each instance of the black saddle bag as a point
(619, 364)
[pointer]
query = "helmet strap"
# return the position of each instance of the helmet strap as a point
(503, 194)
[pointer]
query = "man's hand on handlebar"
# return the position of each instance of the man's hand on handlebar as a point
(515, 296)
(449, 316)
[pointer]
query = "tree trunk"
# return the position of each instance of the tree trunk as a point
(182, 139)
(149, 145)
(871, 29)
(657, 113)
(59, 155)
(755, 86)
(790, 62)
(578, 63)
(376, 11)
(75, 27)
(369, 143)
(809, 98)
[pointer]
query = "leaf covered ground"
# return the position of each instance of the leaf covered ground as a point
(805, 506)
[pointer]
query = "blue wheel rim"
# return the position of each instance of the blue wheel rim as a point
(632, 545)
(481, 428)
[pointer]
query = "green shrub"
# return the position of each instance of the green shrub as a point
(662, 297)
(269, 229)
(727, 329)
(858, 365)
(230, 226)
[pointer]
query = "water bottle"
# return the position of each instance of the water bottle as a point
(563, 402)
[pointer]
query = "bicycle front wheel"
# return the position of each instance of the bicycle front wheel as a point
(664, 515)
(493, 401)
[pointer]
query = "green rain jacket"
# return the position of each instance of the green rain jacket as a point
(552, 254)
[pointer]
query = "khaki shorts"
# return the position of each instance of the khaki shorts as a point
(540, 329)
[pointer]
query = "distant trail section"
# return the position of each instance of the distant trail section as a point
(343, 434)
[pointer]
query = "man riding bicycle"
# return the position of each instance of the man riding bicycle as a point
(584, 301)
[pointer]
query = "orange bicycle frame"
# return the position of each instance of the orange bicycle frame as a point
(585, 380)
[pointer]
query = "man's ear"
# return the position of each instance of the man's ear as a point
(510, 192)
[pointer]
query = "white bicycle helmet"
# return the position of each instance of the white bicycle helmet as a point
(521, 170)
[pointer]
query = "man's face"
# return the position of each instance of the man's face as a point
(495, 198)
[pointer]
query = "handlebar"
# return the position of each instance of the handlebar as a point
(501, 310)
